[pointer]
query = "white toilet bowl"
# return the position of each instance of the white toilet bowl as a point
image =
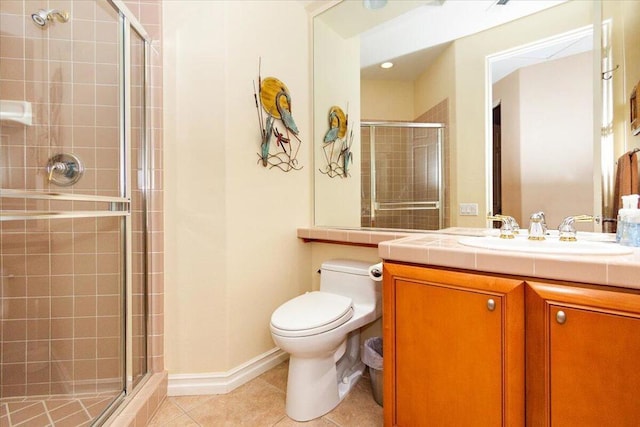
(321, 332)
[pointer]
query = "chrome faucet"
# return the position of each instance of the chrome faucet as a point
(567, 228)
(509, 225)
(512, 222)
(537, 226)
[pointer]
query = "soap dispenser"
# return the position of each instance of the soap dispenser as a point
(628, 229)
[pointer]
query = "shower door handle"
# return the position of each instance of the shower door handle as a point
(28, 215)
(112, 206)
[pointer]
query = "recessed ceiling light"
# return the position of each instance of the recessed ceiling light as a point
(374, 4)
(386, 65)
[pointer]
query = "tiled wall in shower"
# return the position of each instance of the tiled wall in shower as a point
(69, 73)
(439, 113)
(393, 172)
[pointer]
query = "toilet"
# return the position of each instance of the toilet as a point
(321, 332)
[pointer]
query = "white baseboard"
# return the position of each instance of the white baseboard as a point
(224, 382)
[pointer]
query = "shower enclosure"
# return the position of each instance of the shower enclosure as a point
(402, 175)
(74, 150)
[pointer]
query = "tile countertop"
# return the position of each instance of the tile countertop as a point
(441, 248)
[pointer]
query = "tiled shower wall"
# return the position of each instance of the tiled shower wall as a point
(69, 74)
(393, 171)
(426, 185)
(439, 113)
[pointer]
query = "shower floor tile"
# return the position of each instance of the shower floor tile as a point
(53, 411)
(261, 403)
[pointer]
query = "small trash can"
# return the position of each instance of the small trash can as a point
(372, 357)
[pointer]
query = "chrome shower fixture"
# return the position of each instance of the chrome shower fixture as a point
(42, 16)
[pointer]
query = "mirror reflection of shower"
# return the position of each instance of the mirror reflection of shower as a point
(42, 17)
(402, 178)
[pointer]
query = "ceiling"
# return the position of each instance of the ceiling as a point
(412, 33)
(548, 52)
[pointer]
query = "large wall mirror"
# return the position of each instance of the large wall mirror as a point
(489, 108)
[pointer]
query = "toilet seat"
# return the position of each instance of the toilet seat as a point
(311, 314)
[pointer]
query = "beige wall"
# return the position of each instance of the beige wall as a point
(387, 100)
(435, 83)
(337, 83)
(557, 144)
(232, 255)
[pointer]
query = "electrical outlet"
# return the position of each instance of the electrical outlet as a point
(469, 209)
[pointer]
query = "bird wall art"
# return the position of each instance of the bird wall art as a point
(336, 144)
(279, 144)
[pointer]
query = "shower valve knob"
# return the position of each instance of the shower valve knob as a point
(64, 169)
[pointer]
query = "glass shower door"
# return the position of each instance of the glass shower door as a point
(402, 175)
(64, 212)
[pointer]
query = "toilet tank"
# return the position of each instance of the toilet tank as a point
(350, 278)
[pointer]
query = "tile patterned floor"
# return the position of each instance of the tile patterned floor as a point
(58, 411)
(261, 402)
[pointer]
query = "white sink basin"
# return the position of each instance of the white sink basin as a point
(550, 245)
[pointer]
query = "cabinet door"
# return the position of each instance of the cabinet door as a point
(450, 351)
(587, 357)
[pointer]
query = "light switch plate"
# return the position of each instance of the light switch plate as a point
(469, 209)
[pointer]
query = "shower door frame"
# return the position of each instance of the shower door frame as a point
(129, 22)
(428, 205)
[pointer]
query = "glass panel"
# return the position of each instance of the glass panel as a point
(138, 213)
(62, 301)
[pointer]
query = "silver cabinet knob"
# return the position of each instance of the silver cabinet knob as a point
(561, 317)
(491, 304)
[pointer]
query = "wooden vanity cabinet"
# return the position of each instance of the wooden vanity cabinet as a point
(583, 356)
(453, 348)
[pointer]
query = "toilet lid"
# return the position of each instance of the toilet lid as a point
(311, 313)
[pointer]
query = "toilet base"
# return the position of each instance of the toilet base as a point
(317, 385)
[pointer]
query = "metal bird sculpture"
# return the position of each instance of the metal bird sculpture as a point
(347, 155)
(273, 99)
(285, 111)
(266, 139)
(334, 128)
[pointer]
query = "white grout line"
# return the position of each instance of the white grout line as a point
(46, 411)
(85, 409)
